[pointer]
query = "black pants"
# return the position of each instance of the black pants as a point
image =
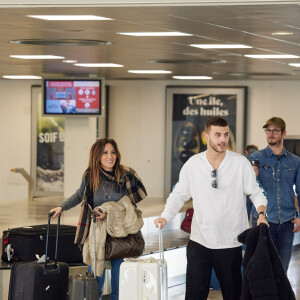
(227, 265)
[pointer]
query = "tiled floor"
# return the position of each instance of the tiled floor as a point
(22, 213)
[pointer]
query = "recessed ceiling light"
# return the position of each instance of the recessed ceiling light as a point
(295, 65)
(69, 61)
(99, 65)
(193, 77)
(237, 74)
(220, 46)
(260, 74)
(37, 56)
(187, 61)
(271, 56)
(157, 33)
(69, 17)
(282, 33)
(61, 42)
(21, 77)
(149, 71)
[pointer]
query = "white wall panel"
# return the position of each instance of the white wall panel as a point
(136, 121)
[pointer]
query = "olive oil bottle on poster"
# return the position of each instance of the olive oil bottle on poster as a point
(190, 111)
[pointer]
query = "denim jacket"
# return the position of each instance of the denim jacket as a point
(278, 177)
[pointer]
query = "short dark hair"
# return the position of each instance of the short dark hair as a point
(215, 121)
(249, 147)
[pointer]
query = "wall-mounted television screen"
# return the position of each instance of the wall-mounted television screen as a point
(72, 97)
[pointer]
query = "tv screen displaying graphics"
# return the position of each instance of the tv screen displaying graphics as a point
(72, 97)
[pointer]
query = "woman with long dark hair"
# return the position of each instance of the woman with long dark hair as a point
(104, 180)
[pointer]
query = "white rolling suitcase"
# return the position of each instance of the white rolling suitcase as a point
(144, 279)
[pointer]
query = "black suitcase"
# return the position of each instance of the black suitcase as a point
(39, 281)
(23, 243)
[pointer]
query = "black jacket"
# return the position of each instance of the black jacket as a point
(263, 275)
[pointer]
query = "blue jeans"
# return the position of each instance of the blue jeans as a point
(283, 236)
(249, 205)
(115, 271)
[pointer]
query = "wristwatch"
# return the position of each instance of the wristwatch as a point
(263, 213)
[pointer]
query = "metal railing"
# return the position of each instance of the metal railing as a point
(28, 178)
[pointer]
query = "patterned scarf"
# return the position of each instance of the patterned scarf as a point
(136, 192)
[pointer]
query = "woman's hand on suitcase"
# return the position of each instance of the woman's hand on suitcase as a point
(160, 223)
(100, 215)
(57, 211)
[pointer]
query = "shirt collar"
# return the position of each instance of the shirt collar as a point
(270, 152)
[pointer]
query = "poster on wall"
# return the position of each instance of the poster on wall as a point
(47, 149)
(187, 110)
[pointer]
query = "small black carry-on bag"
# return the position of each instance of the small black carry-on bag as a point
(40, 281)
(85, 286)
(25, 243)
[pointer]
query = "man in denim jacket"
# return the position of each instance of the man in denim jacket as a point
(278, 172)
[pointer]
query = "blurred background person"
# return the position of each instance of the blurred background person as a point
(249, 149)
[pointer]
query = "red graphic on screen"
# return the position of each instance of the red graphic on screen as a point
(87, 97)
(66, 84)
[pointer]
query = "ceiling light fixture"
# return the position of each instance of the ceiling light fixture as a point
(99, 65)
(295, 65)
(193, 77)
(60, 42)
(271, 56)
(69, 17)
(21, 77)
(220, 46)
(282, 33)
(69, 61)
(167, 33)
(37, 56)
(187, 61)
(260, 74)
(149, 71)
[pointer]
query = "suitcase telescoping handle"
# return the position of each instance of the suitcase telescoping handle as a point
(95, 254)
(47, 239)
(160, 245)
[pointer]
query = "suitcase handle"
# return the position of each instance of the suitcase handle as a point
(47, 239)
(161, 246)
(95, 254)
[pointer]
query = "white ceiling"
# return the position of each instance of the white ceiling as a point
(243, 24)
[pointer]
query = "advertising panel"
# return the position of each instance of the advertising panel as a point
(77, 97)
(188, 109)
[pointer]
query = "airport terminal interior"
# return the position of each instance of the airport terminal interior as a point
(148, 74)
(35, 212)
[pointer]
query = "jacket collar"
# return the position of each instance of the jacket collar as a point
(270, 152)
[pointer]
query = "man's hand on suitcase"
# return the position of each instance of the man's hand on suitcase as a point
(160, 221)
(57, 211)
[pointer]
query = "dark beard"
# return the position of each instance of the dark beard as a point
(274, 143)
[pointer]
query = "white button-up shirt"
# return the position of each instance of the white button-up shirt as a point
(220, 214)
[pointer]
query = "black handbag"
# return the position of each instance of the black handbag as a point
(132, 245)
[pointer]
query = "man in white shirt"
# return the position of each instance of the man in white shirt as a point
(218, 180)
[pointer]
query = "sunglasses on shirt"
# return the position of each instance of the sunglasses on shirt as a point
(214, 183)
